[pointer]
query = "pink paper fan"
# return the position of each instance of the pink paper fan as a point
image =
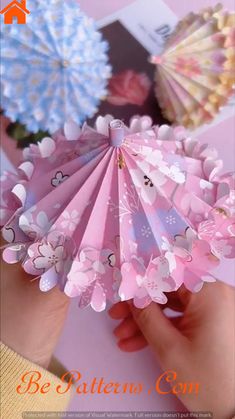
(119, 212)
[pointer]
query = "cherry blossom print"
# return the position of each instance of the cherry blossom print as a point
(191, 260)
(153, 157)
(174, 173)
(147, 180)
(144, 285)
(58, 179)
(91, 265)
(95, 296)
(49, 257)
(71, 220)
(76, 287)
(88, 274)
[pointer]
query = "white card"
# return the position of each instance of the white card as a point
(150, 22)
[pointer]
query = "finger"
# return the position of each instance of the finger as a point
(126, 329)
(119, 311)
(176, 321)
(135, 343)
(159, 331)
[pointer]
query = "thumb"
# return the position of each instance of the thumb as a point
(165, 340)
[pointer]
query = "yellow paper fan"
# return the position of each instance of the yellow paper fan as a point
(195, 74)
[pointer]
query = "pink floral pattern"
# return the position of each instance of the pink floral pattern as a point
(49, 257)
(188, 66)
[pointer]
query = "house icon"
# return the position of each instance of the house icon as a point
(15, 10)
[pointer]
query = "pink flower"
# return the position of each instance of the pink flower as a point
(190, 260)
(49, 256)
(90, 275)
(146, 284)
(128, 87)
(188, 66)
(219, 232)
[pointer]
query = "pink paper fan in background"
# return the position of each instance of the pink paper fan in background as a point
(116, 213)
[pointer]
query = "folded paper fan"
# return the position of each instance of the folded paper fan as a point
(54, 67)
(195, 73)
(119, 212)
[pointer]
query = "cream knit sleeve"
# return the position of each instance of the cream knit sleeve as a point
(12, 368)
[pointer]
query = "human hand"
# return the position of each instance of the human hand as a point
(31, 321)
(198, 346)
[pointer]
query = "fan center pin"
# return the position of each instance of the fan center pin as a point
(116, 132)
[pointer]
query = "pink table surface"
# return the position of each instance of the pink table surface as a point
(87, 343)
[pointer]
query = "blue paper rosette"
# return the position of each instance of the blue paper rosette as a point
(53, 68)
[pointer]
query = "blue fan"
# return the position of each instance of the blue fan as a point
(54, 68)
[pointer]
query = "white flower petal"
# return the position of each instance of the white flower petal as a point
(46, 250)
(41, 262)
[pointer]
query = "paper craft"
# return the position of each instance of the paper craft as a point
(53, 68)
(194, 74)
(119, 212)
